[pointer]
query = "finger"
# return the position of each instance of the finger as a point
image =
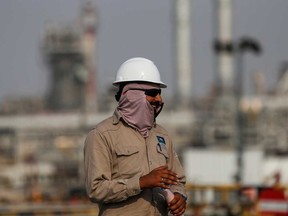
(171, 178)
(161, 182)
(170, 182)
(161, 167)
(176, 202)
(179, 211)
(177, 206)
(169, 173)
(163, 185)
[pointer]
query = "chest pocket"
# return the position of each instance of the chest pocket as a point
(128, 160)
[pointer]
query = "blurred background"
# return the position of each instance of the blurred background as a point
(225, 63)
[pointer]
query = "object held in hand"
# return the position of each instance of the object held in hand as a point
(169, 195)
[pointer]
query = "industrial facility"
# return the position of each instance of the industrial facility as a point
(41, 139)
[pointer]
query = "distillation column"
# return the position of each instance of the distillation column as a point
(224, 36)
(89, 50)
(183, 51)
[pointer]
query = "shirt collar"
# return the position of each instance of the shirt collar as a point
(116, 117)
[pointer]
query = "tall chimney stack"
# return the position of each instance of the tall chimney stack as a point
(223, 30)
(183, 51)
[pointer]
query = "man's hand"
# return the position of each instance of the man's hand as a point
(178, 205)
(159, 177)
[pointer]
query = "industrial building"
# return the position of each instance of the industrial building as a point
(41, 141)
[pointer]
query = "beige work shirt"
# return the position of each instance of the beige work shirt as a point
(116, 156)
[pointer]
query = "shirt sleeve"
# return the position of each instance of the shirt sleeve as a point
(176, 166)
(100, 186)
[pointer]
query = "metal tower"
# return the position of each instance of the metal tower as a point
(183, 51)
(70, 55)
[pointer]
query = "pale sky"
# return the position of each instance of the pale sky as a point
(129, 28)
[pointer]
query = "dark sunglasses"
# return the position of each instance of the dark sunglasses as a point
(150, 92)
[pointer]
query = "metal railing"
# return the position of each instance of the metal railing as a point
(32, 209)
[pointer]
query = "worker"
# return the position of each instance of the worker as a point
(129, 159)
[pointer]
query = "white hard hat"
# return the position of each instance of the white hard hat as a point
(138, 69)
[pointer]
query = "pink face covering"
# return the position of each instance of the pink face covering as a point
(135, 109)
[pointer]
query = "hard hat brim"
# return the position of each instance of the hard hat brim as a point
(161, 84)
